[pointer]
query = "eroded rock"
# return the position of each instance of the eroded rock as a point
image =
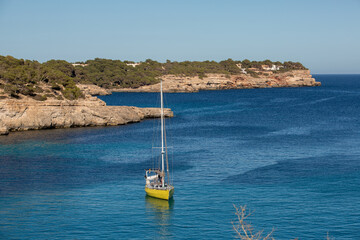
(27, 114)
(174, 83)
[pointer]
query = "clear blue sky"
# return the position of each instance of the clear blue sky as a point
(323, 35)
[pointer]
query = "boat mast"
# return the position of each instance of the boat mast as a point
(162, 134)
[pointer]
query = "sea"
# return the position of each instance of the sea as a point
(290, 156)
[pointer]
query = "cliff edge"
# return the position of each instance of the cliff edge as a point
(27, 114)
(175, 83)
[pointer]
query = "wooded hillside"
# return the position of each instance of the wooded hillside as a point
(27, 77)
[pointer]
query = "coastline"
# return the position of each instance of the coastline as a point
(174, 83)
(29, 114)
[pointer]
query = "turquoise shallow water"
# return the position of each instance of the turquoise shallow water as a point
(292, 155)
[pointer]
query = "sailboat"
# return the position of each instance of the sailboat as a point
(157, 183)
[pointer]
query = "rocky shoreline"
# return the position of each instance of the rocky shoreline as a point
(172, 83)
(28, 114)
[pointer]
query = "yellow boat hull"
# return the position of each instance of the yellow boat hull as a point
(165, 194)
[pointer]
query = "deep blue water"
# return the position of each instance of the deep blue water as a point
(291, 155)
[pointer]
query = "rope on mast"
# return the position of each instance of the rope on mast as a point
(166, 156)
(162, 131)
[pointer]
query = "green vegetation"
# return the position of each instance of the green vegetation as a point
(28, 78)
(31, 78)
(115, 73)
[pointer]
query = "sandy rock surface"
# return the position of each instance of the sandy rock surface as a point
(26, 114)
(172, 83)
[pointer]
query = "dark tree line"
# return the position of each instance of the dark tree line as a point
(18, 76)
(27, 77)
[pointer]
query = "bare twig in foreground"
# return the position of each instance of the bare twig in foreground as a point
(244, 230)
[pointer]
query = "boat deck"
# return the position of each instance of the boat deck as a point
(159, 187)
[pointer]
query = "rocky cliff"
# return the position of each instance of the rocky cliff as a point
(172, 83)
(93, 90)
(26, 113)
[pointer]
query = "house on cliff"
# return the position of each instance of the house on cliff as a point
(79, 64)
(272, 68)
(242, 69)
(133, 64)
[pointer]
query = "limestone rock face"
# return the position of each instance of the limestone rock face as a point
(172, 83)
(26, 114)
(93, 90)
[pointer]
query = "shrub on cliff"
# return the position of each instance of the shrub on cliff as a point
(12, 90)
(288, 66)
(253, 74)
(28, 90)
(71, 91)
(294, 66)
(40, 97)
(55, 86)
(230, 66)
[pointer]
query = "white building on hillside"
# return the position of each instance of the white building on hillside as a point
(242, 69)
(133, 64)
(79, 64)
(272, 68)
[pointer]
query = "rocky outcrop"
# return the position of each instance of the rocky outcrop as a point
(172, 83)
(93, 90)
(26, 114)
